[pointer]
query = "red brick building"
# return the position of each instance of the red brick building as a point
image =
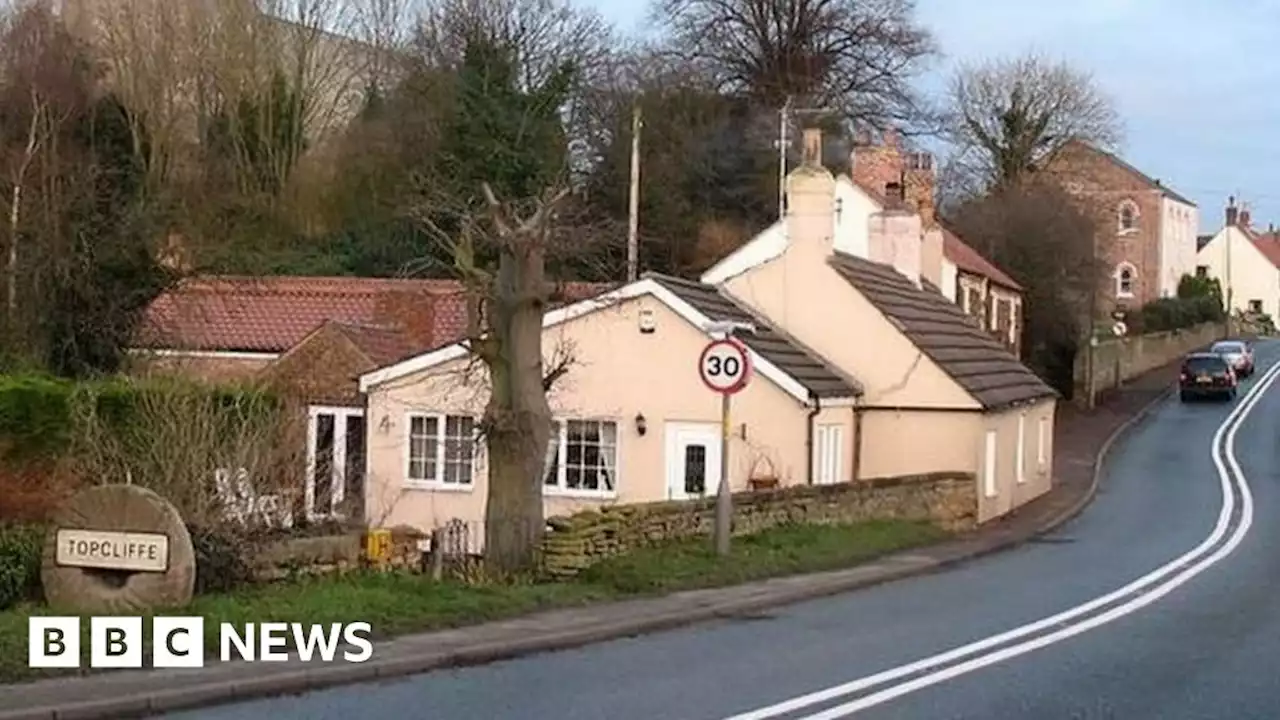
(1147, 236)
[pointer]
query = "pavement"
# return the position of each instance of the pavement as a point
(743, 638)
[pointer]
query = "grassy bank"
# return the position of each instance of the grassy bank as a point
(400, 603)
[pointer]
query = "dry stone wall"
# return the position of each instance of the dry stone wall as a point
(576, 542)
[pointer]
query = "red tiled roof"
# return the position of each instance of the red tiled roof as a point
(272, 314)
(382, 345)
(1267, 243)
(971, 261)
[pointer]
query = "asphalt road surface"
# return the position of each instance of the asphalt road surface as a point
(1162, 600)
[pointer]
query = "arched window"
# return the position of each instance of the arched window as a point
(1126, 277)
(1128, 216)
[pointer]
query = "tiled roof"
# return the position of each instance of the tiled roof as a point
(273, 313)
(382, 345)
(788, 355)
(974, 359)
(1119, 162)
(955, 249)
(969, 260)
(1202, 240)
(1267, 243)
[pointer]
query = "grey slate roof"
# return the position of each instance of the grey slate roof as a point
(802, 364)
(974, 359)
(1202, 240)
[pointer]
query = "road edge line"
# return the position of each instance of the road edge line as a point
(221, 692)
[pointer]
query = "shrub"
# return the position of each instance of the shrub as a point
(21, 547)
(1176, 313)
(223, 559)
(35, 413)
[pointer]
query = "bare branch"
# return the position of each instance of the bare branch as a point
(1009, 116)
(856, 55)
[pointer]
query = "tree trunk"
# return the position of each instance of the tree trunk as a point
(518, 416)
(15, 214)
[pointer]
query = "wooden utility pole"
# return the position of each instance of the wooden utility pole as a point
(633, 229)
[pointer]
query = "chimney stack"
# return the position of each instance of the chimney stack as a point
(894, 196)
(918, 182)
(1232, 211)
(813, 147)
(1245, 219)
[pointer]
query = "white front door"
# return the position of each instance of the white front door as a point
(335, 459)
(693, 460)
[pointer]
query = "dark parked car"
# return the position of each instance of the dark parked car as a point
(1206, 375)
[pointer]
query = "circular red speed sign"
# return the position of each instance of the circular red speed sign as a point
(725, 366)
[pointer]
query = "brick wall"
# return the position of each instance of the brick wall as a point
(210, 368)
(1130, 357)
(578, 541)
(1101, 186)
(322, 370)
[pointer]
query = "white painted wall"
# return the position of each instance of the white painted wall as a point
(1252, 276)
(854, 209)
(950, 276)
(1179, 223)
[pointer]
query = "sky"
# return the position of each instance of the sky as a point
(1194, 80)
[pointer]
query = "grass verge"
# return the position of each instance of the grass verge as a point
(396, 604)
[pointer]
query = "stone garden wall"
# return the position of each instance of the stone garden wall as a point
(578, 541)
(332, 554)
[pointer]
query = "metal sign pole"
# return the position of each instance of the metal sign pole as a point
(724, 498)
(725, 367)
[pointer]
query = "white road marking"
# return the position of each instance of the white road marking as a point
(1147, 584)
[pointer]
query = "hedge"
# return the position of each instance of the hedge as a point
(37, 412)
(21, 547)
(1177, 313)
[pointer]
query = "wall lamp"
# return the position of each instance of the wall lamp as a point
(642, 425)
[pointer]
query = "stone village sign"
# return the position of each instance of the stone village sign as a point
(118, 548)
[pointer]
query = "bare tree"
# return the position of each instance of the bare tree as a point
(506, 302)
(859, 56)
(38, 83)
(1009, 116)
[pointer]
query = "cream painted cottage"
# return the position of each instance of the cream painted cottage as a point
(864, 370)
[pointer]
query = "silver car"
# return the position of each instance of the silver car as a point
(1238, 355)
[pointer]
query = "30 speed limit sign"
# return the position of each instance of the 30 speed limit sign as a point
(725, 366)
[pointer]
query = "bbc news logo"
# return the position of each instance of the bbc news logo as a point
(178, 642)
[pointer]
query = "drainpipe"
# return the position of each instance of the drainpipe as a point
(813, 415)
(858, 410)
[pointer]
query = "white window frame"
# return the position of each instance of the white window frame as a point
(828, 454)
(338, 477)
(1136, 215)
(1119, 278)
(1020, 453)
(1013, 322)
(1042, 434)
(438, 482)
(560, 436)
(991, 447)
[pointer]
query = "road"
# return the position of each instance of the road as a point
(1188, 509)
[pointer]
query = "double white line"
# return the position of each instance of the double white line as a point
(1082, 618)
